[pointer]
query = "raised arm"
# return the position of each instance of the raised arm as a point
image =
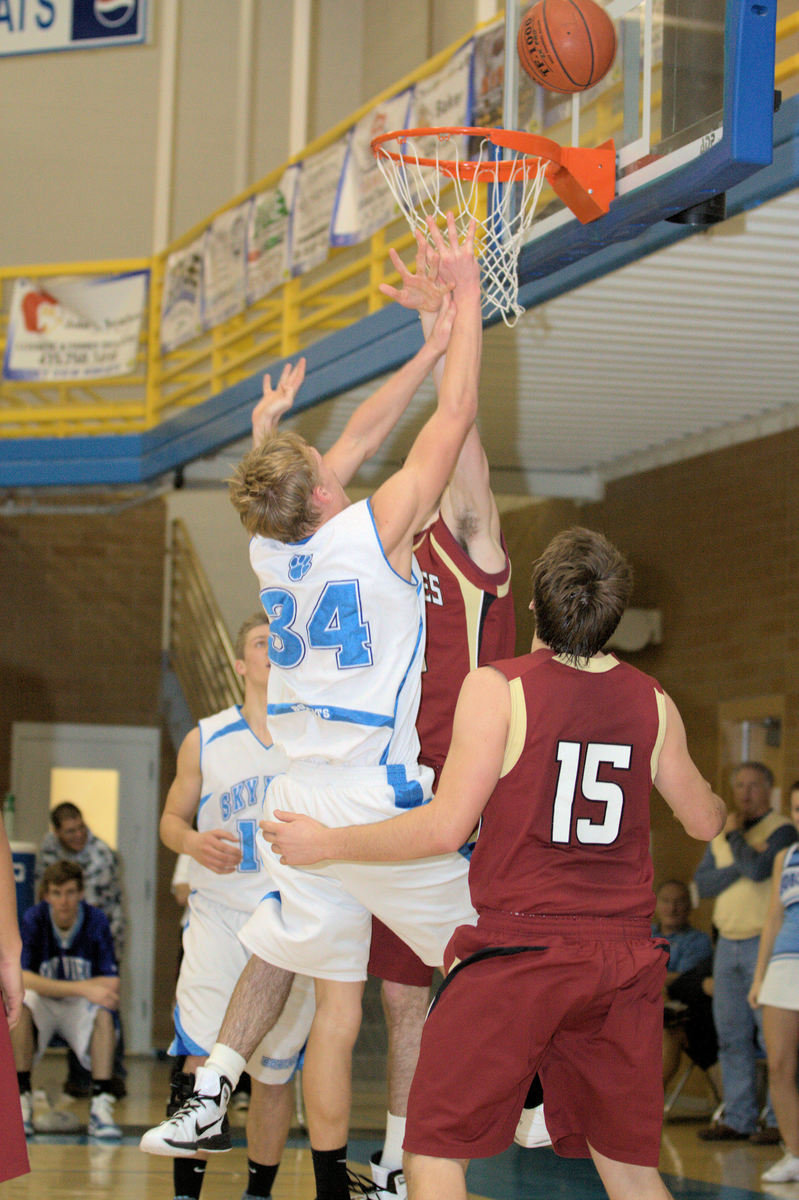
(470, 774)
(373, 421)
(214, 848)
(276, 401)
(405, 501)
(690, 797)
(468, 507)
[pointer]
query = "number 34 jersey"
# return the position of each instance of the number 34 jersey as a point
(346, 644)
(236, 770)
(566, 831)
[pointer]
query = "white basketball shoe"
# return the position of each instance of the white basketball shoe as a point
(199, 1124)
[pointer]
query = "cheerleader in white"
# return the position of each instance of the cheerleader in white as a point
(776, 987)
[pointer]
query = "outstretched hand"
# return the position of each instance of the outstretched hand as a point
(276, 401)
(296, 839)
(424, 290)
(457, 265)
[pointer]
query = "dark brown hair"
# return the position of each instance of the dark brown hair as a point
(66, 811)
(581, 586)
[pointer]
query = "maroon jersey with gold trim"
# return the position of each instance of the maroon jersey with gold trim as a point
(566, 831)
(470, 622)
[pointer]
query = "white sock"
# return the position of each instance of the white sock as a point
(224, 1061)
(391, 1157)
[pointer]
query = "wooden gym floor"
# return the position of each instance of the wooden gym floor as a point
(67, 1166)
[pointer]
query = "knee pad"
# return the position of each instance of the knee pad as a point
(181, 1087)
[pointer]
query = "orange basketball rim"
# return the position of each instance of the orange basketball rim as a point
(584, 178)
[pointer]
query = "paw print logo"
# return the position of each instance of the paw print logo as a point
(299, 565)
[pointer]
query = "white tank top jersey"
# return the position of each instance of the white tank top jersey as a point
(346, 643)
(236, 770)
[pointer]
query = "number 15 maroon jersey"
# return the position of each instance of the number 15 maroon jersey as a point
(566, 830)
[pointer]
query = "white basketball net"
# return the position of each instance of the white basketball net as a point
(503, 211)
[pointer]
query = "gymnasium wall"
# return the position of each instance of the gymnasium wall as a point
(714, 542)
(80, 611)
(80, 138)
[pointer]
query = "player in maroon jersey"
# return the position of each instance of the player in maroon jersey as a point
(557, 752)
(470, 621)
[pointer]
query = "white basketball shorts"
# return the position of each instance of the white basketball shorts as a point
(73, 1017)
(213, 960)
(320, 923)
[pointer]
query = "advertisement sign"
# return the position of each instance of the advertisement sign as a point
(182, 301)
(75, 328)
(36, 26)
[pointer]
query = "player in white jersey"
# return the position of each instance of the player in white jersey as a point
(337, 593)
(225, 765)
(370, 607)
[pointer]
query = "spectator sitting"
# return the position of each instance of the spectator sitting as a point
(71, 839)
(688, 1018)
(71, 988)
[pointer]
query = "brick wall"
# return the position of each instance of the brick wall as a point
(81, 617)
(715, 546)
(713, 540)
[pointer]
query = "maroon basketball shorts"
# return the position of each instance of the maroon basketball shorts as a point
(391, 959)
(581, 1004)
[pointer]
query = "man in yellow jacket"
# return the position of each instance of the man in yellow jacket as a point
(736, 869)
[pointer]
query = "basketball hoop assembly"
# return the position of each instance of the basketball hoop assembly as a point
(428, 175)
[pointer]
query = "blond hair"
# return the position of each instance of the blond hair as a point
(272, 488)
(246, 627)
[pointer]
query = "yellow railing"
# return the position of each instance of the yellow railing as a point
(335, 294)
(200, 650)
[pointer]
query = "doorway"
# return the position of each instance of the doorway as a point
(751, 730)
(112, 773)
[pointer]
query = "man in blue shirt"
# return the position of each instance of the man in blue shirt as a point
(71, 981)
(688, 1021)
(687, 946)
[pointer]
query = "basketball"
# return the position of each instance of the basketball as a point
(566, 45)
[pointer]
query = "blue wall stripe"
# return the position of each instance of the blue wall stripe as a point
(382, 341)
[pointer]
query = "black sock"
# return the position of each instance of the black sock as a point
(535, 1096)
(100, 1085)
(24, 1081)
(187, 1177)
(260, 1178)
(330, 1172)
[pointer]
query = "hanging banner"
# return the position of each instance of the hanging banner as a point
(224, 265)
(443, 99)
(315, 196)
(488, 84)
(268, 237)
(75, 328)
(182, 302)
(364, 202)
(37, 26)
